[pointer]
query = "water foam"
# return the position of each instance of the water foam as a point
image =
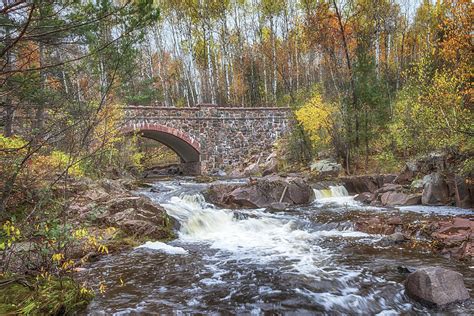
(335, 195)
(260, 238)
(333, 191)
(162, 247)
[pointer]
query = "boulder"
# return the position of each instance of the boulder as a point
(455, 238)
(113, 186)
(464, 192)
(435, 190)
(393, 198)
(361, 184)
(395, 238)
(390, 194)
(365, 197)
(218, 194)
(435, 286)
(407, 174)
(262, 192)
(96, 194)
(326, 168)
(270, 167)
(388, 187)
(252, 169)
(137, 216)
(279, 206)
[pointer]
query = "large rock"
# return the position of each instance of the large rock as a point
(218, 194)
(365, 197)
(361, 184)
(270, 167)
(262, 192)
(326, 168)
(393, 198)
(464, 192)
(455, 237)
(435, 190)
(436, 286)
(395, 238)
(389, 194)
(407, 174)
(137, 216)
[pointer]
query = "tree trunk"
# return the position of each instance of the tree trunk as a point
(274, 61)
(351, 75)
(41, 105)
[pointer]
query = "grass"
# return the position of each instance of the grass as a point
(44, 296)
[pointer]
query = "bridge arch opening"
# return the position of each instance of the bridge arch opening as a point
(187, 148)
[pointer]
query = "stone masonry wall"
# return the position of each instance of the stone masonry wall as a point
(226, 134)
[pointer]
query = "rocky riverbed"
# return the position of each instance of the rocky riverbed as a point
(325, 253)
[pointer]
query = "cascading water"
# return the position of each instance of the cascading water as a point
(253, 261)
(333, 191)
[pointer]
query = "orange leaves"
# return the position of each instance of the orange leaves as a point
(28, 55)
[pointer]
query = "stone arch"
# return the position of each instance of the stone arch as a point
(186, 147)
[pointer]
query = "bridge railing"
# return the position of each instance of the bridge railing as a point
(206, 105)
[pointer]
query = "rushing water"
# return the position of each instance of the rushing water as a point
(305, 261)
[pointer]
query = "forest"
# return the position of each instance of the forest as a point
(371, 84)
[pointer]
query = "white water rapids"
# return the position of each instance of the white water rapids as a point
(259, 237)
(256, 262)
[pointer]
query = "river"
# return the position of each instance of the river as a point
(305, 261)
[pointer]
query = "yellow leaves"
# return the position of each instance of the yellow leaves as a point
(102, 287)
(137, 158)
(10, 229)
(95, 242)
(12, 150)
(107, 130)
(103, 249)
(84, 291)
(44, 275)
(80, 233)
(57, 257)
(56, 161)
(266, 34)
(11, 143)
(68, 264)
(430, 113)
(11, 234)
(110, 230)
(316, 117)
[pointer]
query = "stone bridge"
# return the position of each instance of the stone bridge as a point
(209, 137)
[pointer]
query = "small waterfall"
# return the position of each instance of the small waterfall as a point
(321, 194)
(339, 190)
(333, 191)
(185, 206)
(259, 238)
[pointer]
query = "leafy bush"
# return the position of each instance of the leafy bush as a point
(430, 113)
(317, 119)
(56, 162)
(45, 295)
